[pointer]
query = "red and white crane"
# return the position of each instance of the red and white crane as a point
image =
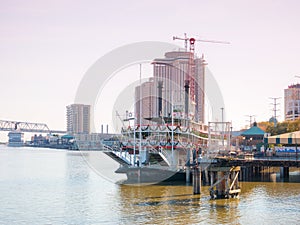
(193, 40)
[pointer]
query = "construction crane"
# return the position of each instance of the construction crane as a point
(192, 51)
(193, 40)
(190, 83)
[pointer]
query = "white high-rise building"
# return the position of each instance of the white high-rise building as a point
(292, 102)
(178, 80)
(78, 119)
(180, 73)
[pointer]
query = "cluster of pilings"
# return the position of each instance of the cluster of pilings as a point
(262, 173)
(223, 181)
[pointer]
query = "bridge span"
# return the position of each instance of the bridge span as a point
(6, 125)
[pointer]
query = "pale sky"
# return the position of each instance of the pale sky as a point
(47, 46)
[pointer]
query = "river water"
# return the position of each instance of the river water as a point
(43, 186)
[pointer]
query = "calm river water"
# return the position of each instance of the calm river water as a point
(42, 186)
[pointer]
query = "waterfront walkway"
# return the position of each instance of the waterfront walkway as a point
(259, 161)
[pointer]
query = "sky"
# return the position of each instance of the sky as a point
(46, 47)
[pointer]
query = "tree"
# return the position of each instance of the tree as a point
(282, 127)
(293, 126)
(264, 125)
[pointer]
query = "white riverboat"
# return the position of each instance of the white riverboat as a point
(162, 150)
(167, 135)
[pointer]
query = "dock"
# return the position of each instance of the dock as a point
(223, 172)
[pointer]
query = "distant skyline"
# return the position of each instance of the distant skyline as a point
(47, 46)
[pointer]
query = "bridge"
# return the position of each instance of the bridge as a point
(6, 125)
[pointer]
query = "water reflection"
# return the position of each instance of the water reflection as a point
(156, 204)
(163, 203)
(77, 187)
(224, 211)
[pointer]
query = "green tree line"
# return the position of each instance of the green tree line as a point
(282, 127)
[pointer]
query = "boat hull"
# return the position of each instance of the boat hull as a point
(151, 175)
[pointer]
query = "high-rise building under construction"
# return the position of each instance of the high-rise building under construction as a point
(178, 82)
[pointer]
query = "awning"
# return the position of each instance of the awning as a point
(286, 138)
(67, 136)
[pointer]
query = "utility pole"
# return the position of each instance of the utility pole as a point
(275, 104)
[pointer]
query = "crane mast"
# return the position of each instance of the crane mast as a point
(190, 80)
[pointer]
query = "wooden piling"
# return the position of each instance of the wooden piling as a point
(226, 185)
(187, 175)
(196, 180)
(206, 181)
(212, 177)
(284, 172)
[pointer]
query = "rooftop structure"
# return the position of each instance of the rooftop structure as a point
(254, 131)
(253, 137)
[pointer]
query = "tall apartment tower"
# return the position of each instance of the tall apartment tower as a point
(179, 78)
(78, 119)
(178, 81)
(292, 102)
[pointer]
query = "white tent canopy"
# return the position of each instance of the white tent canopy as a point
(286, 138)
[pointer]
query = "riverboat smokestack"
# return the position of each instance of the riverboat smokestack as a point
(160, 87)
(186, 95)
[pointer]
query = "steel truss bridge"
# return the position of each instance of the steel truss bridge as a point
(6, 125)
